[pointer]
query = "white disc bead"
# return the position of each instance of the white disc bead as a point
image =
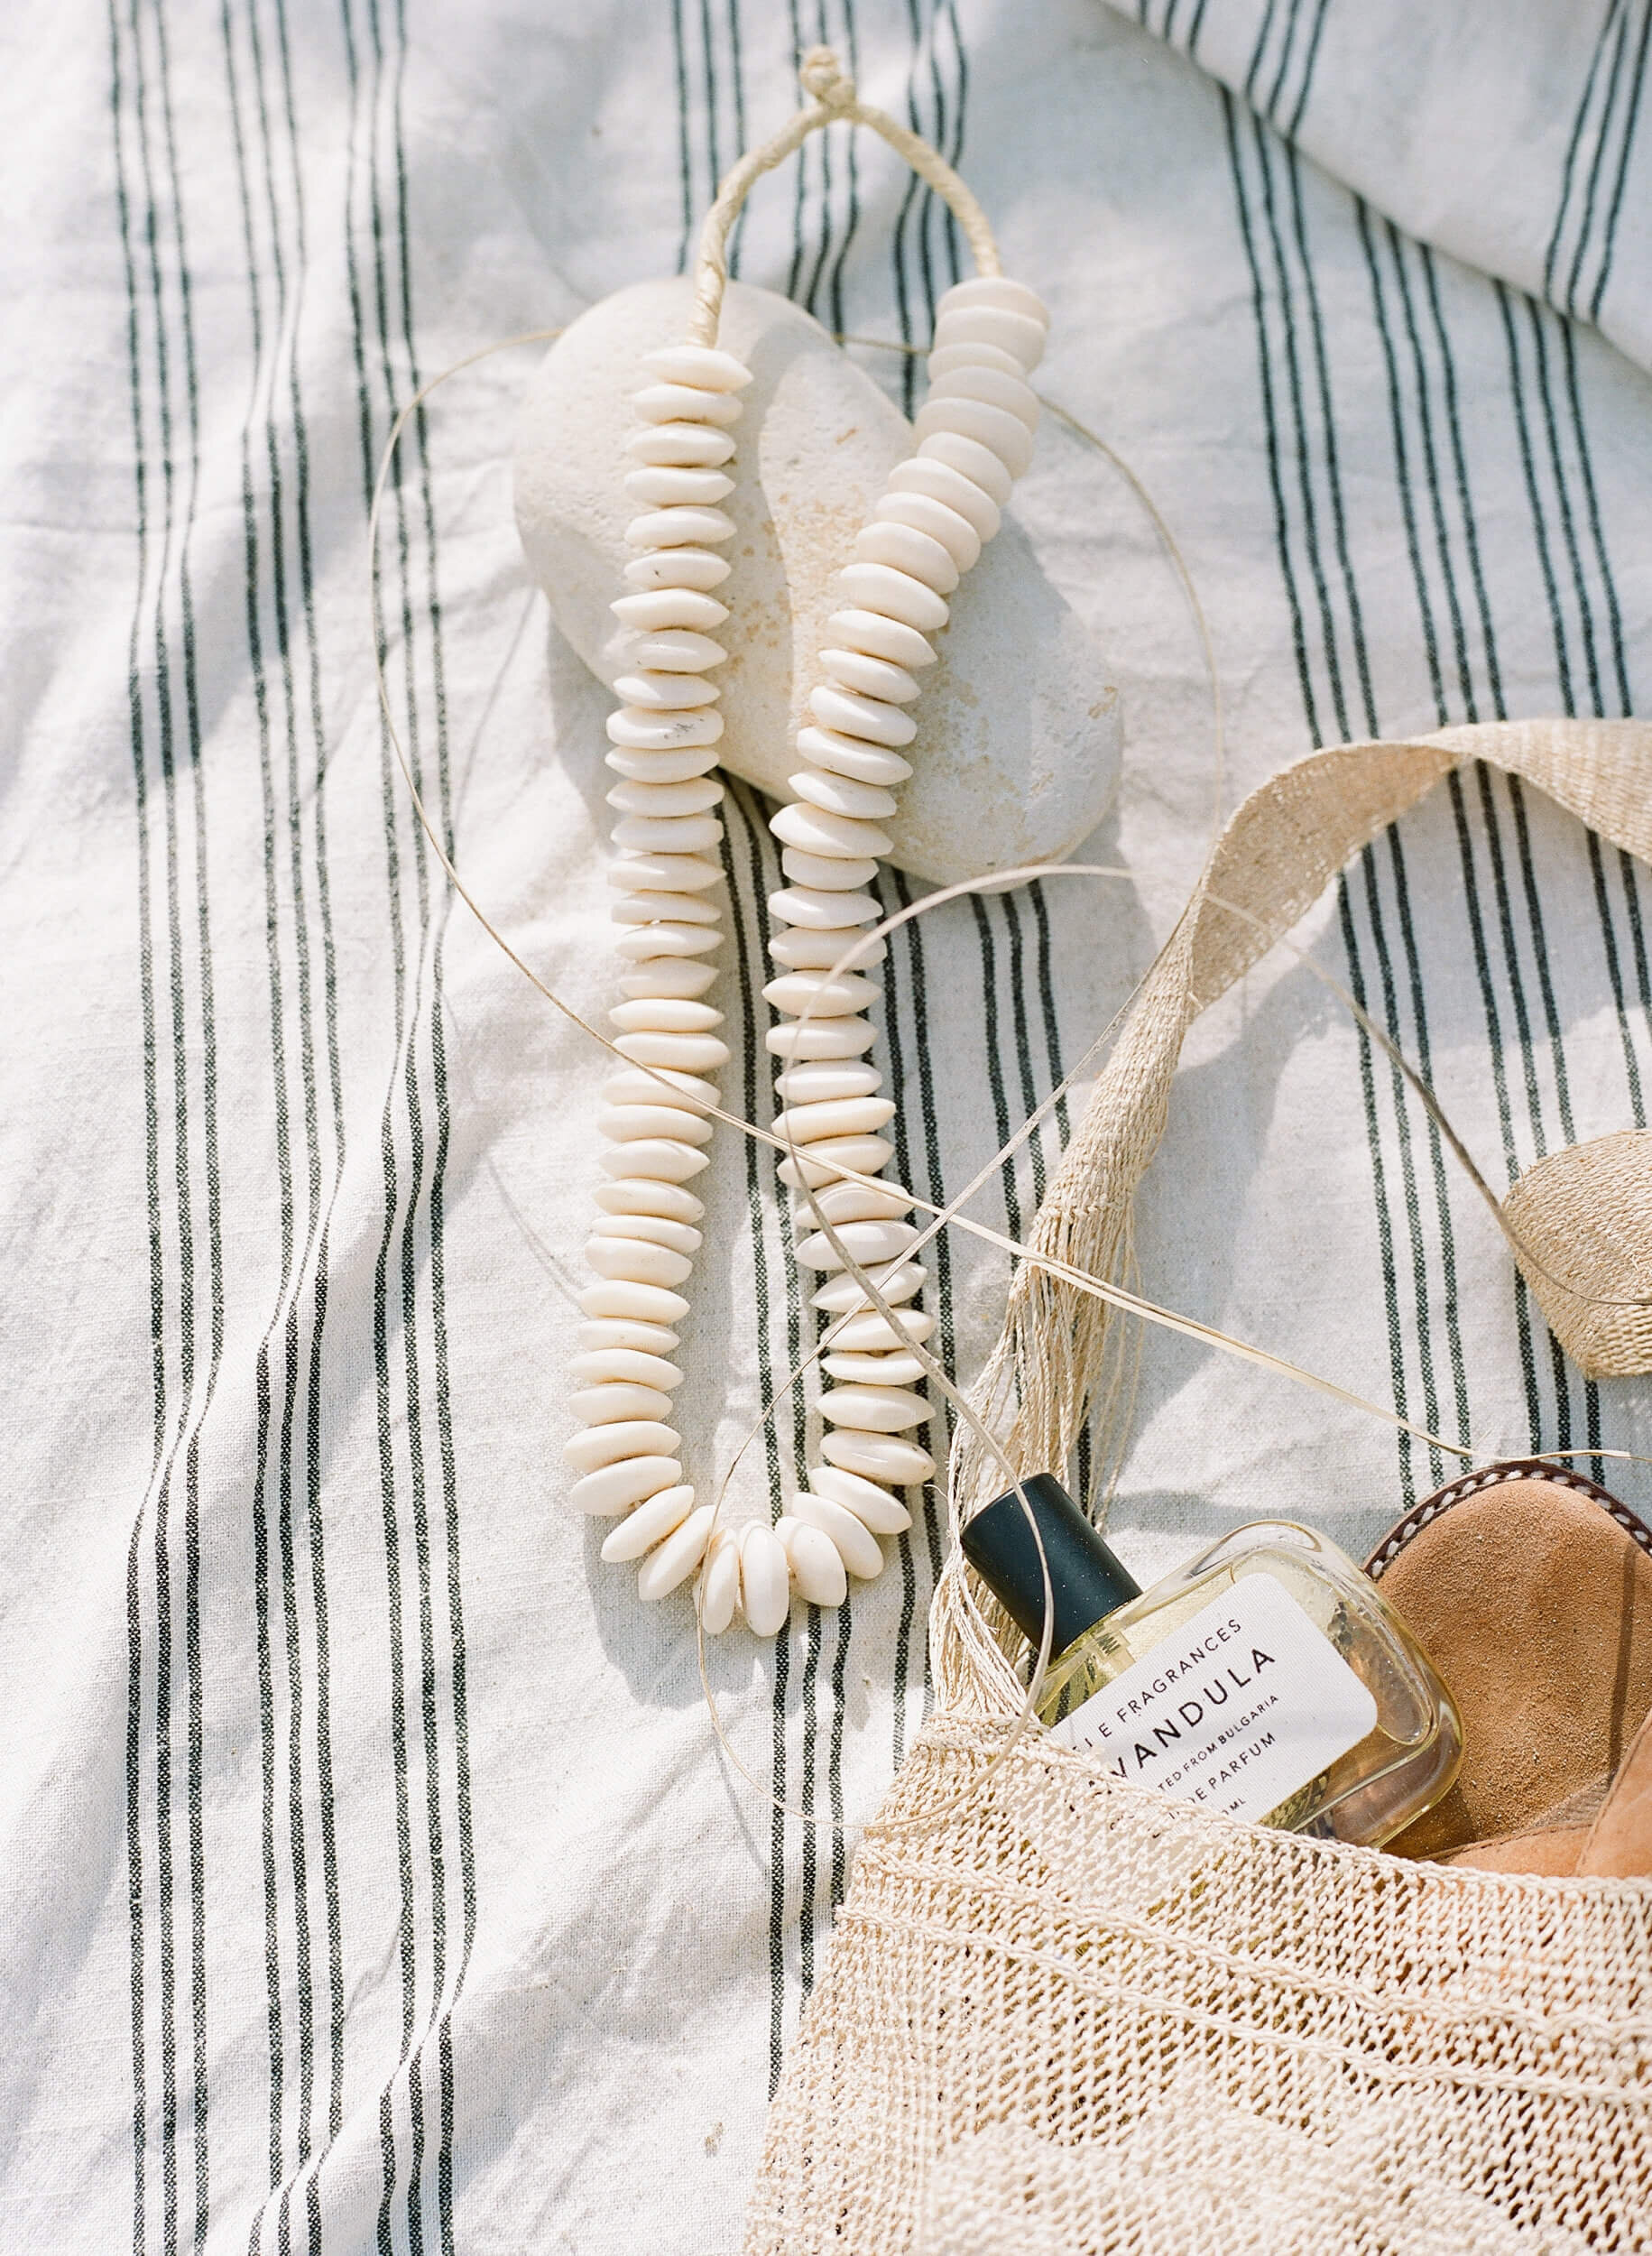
(821, 951)
(867, 1243)
(669, 607)
(874, 1409)
(873, 1330)
(798, 991)
(649, 1523)
(937, 522)
(677, 1557)
(939, 482)
(840, 754)
(816, 1562)
(663, 976)
(995, 428)
(719, 1586)
(765, 1580)
(880, 636)
(826, 1162)
(821, 1079)
(886, 1458)
(897, 1283)
(617, 1487)
(653, 1229)
(639, 796)
(850, 1538)
(618, 1331)
(997, 326)
(678, 567)
(689, 446)
(873, 1506)
(851, 1202)
(597, 1446)
(686, 403)
(664, 483)
(705, 365)
(993, 289)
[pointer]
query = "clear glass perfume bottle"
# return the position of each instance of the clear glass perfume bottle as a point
(1267, 1678)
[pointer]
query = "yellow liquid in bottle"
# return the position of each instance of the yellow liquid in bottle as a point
(1373, 1789)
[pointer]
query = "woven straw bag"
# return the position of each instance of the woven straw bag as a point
(1063, 2015)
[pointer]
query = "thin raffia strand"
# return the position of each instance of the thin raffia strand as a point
(990, 1656)
(1107, 1291)
(1127, 1303)
(1103, 1289)
(834, 99)
(1282, 847)
(987, 1653)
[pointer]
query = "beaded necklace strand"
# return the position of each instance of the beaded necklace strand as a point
(974, 435)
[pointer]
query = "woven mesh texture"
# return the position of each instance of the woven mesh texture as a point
(1071, 2008)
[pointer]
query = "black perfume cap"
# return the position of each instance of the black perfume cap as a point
(1086, 1580)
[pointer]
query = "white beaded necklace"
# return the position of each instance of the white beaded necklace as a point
(974, 435)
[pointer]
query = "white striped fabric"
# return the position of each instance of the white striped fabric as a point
(371, 1879)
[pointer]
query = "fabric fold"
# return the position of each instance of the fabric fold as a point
(1511, 134)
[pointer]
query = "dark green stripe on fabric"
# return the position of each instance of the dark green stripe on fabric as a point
(742, 872)
(137, 1941)
(1625, 159)
(1314, 444)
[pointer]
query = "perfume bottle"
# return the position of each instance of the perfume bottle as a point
(1266, 1678)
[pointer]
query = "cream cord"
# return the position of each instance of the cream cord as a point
(834, 99)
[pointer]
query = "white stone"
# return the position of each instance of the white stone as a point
(1017, 743)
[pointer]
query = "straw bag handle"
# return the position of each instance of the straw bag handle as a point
(1060, 1346)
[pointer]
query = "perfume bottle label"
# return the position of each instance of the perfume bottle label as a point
(1236, 1709)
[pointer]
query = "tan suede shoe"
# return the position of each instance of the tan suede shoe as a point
(1530, 1590)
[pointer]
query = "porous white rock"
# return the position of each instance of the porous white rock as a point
(1018, 744)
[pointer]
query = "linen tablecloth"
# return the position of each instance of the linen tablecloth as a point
(370, 1876)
